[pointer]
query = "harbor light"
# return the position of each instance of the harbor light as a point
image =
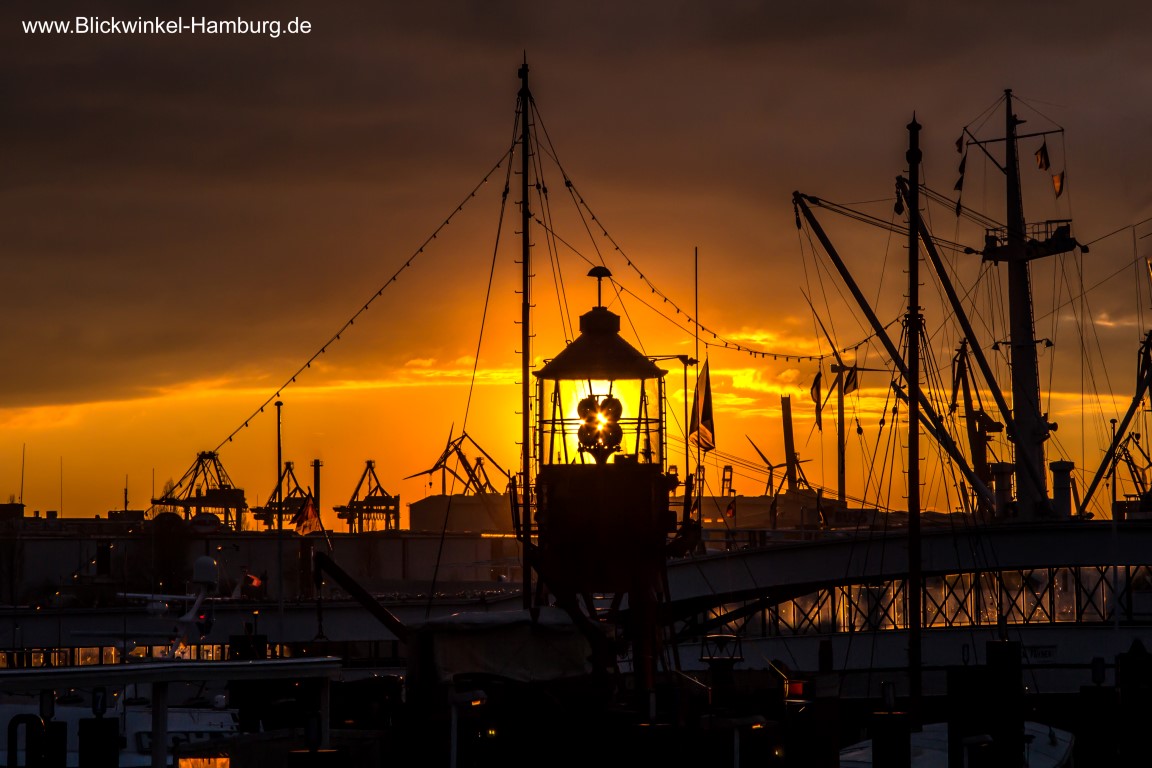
(602, 493)
(600, 400)
(601, 446)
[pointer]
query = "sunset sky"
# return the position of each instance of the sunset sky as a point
(188, 219)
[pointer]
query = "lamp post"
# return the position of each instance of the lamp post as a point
(279, 509)
(279, 471)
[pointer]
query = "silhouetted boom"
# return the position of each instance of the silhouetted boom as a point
(325, 564)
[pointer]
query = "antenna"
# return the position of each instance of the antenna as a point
(23, 451)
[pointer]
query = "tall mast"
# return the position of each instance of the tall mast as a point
(912, 321)
(1031, 426)
(525, 318)
(789, 444)
(841, 467)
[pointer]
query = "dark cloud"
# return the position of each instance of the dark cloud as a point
(191, 204)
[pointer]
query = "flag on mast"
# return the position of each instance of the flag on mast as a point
(815, 393)
(703, 430)
(851, 380)
(1042, 161)
(307, 520)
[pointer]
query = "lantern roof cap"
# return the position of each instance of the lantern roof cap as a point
(600, 353)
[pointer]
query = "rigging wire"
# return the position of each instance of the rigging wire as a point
(887, 597)
(937, 389)
(550, 151)
(379, 292)
(488, 292)
(731, 346)
(566, 325)
(475, 364)
(727, 343)
(875, 221)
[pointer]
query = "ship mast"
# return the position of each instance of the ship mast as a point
(525, 328)
(913, 322)
(1016, 245)
(1031, 426)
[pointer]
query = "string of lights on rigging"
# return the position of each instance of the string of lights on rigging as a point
(719, 341)
(379, 292)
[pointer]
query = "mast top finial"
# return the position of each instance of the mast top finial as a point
(599, 272)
